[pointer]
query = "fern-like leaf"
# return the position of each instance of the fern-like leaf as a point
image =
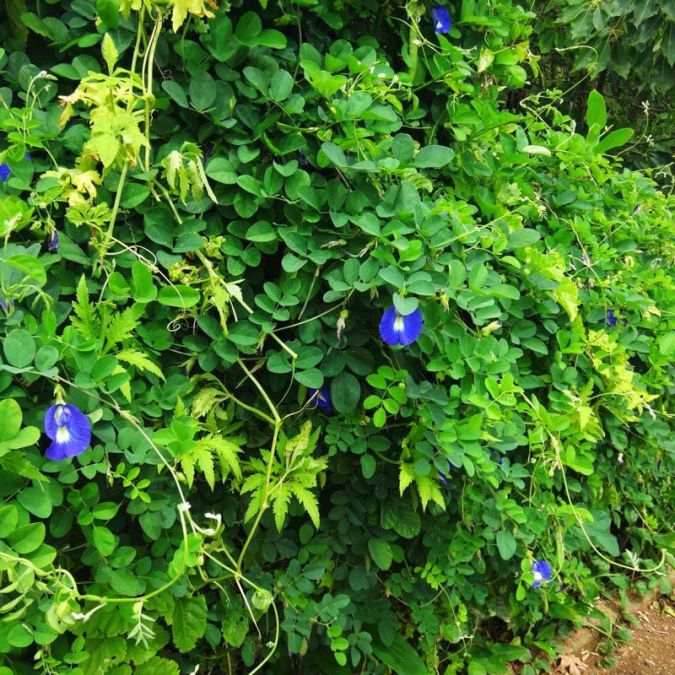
(202, 454)
(406, 476)
(309, 502)
(280, 505)
(188, 465)
(429, 491)
(205, 400)
(140, 360)
(84, 319)
(227, 451)
(122, 326)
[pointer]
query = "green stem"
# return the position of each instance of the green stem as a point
(107, 239)
(266, 492)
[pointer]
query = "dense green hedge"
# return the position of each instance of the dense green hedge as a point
(208, 211)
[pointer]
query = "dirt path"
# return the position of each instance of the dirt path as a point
(651, 651)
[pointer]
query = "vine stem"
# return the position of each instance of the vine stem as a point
(107, 238)
(555, 444)
(266, 492)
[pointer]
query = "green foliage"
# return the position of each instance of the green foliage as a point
(240, 190)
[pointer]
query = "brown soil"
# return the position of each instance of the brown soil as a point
(650, 651)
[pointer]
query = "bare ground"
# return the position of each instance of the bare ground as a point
(650, 651)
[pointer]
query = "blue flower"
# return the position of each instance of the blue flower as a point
(443, 477)
(542, 572)
(5, 172)
(399, 329)
(321, 398)
(69, 429)
(28, 157)
(53, 245)
(442, 20)
(610, 319)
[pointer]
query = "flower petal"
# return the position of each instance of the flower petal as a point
(321, 398)
(442, 19)
(56, 451)
(69, 429)
(412, 327)
(387, 331)
(5, 172)
(542, 571)
(50, 423)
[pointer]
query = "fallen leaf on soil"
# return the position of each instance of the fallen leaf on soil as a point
(570, 664)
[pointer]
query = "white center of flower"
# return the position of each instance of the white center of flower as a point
(439, 25)
(399, 326)
(62, 435)
(61, 415)
(538, 576)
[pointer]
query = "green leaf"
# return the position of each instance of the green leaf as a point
(614, 139)
(506, 544)
(221, 170)
(202, 91)
(599, 532)
(109, 12)
(157, 665)
(178, 296)
(281, 85)
(36, 501)
(109, 52)
(596, 112)
(380, 552)
(261, 232)
(176, 92)
(433, 157)
(368, 466)
(30, 266)
(524, 237)
(334, 154)
(10, 419)
(19, 348)
(248, 28)
(140, 360)
(27, 538)
(104, 540)
(311, 378)
(9, 517)
(400, 657)
(143, 288)
(345, 391)
(189, 622)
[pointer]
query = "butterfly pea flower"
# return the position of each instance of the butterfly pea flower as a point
(400, 329)
(610, 319)
(5, 172)
(441, 17)
(542, 572)
(53, 245)
(321, 398)
(69, 430)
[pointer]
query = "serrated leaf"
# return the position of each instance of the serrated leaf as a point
(84, 319)
(140, 360)
(282, 497)
(204, 459)
(189, 622)
(109, 52)
(405, 477)
(309, 502)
